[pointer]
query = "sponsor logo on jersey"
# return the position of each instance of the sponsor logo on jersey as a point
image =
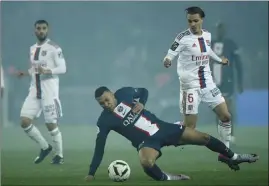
(201, 60)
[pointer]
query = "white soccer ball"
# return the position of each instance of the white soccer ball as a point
(119, 171)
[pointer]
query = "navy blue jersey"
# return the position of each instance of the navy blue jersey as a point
(134, 127)
(224, 75)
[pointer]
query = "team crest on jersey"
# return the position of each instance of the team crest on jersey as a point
(208, 42)
(60, 54)
(122, 110)
(44, 53)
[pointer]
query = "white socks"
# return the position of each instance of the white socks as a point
(225, 132)
(58, 142)
(35, 135)
(235, 156)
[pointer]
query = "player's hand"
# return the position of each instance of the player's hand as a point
(19, 74)
(225, 61)
(138, 108)
(89, 178)
(167, 63)
(41, 70)
(14, 72)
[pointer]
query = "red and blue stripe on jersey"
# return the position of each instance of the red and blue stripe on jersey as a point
(201, 75)
(201, 72)
(202, 44)
(37, 76)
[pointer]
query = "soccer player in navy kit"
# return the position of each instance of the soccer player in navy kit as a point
(125, 114)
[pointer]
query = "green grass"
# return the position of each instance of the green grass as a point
(198, 162)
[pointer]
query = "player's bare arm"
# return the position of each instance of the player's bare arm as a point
(20, 73)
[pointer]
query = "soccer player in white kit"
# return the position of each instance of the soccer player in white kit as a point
(196, 83)
(47, 62)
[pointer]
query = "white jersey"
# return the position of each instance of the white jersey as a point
(49, 56)
(194, 54)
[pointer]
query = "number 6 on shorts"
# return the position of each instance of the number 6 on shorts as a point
(189, 101)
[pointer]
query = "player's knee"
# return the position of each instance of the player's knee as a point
(190, 124)
(147, 162)
(205, 138)
(225, 117)
(51, 126)
(190, 120)
(25, 122)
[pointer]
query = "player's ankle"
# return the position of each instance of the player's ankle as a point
(167, 177)
(234, 156)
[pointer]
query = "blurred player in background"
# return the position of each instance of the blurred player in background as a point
(47, 62)
(193, 47)
(124, 112)
(224, 76)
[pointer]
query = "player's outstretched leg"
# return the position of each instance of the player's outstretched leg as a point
(34, 134)
(58, 143)
(147, 158)
(193, 137)
(224, 128)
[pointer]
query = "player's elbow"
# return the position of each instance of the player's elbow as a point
(64, 70)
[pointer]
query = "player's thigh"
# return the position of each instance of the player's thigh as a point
(229, 101)
(31, 107)
(193, 137)
(189, 101)
(189, 104)
(52, 109)
(212, 96)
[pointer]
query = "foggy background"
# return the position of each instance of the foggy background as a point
(123, 44)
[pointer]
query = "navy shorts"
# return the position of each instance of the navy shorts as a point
(168, 135)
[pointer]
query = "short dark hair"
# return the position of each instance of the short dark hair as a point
(195, 10)
(99, 91)
(41, 21)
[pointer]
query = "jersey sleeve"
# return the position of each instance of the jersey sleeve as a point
(211, 53)
(214, 56)
(141, 94)
(59, 62)
(100, 142)
(175, 48)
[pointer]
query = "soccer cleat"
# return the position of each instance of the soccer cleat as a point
(43, 154)
(245, 158)
(227, 161)
(57, 160)
(174, 177)
(241, 158)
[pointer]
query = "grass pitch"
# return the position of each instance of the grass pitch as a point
(18, 153)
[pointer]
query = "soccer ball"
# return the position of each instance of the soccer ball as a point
(119, 171)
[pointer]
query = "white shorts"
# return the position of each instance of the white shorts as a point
(32, 107)
(190, 99)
